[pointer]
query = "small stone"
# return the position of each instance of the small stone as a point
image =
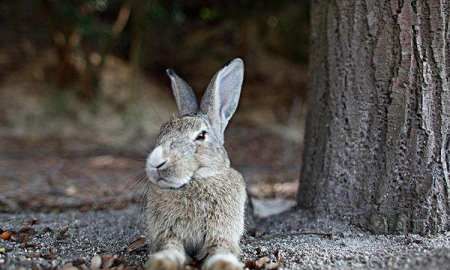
(96, 262)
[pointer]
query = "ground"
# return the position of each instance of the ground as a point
(74, 237)
(66, 207)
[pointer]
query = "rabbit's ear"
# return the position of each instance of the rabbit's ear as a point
(184, 95)
(222, 96)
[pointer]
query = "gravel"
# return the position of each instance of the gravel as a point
(291, 240)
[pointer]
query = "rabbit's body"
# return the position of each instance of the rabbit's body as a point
(195, 205)
(199, 213)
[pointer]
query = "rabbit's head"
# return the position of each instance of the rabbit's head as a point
(191, 144)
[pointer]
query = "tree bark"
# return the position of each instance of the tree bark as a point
(377, 134)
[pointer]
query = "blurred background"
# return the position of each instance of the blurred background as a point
(83, 92)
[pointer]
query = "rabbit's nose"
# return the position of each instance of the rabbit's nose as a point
(156, 158)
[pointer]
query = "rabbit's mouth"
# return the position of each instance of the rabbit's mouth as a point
(163, 183)
(170, 174)
(168, 184)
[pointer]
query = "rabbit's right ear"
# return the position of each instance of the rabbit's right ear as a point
(183, 93)
(222, 96)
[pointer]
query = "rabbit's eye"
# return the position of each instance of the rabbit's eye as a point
(201, 136)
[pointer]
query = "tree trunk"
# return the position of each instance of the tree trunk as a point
(377, 134)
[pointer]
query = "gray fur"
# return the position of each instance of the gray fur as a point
(195, 205)
(183, 93)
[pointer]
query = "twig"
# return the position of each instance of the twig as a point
(325, 234)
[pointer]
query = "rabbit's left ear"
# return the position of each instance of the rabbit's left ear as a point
(222, 96)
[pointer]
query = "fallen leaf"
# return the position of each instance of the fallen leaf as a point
(257, 264)
(6, 235)
(136, 244)
(2, 250)
(108, 261)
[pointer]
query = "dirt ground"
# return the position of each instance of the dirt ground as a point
(72, 238)
(77, 206)
(58, 175)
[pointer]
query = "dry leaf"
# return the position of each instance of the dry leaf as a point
(108, 261)
(6, 235)
(257, 264)
(136, 244)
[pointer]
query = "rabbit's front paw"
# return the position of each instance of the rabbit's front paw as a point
(164, 260)
(222, 262)
(161, 264)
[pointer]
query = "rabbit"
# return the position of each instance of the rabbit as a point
(195, 205)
